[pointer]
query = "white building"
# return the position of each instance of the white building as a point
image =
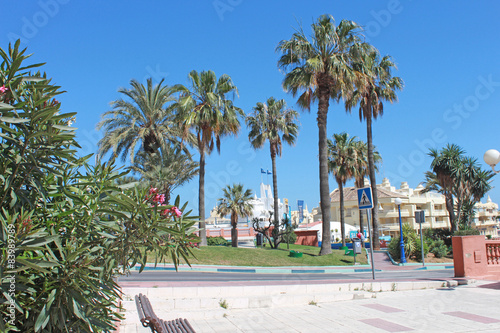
(262, 207)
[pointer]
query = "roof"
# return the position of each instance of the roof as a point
(351, 194)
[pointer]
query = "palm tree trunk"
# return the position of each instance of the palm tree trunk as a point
(342, 218)
(201, 198)
(275, 194)
(359, 184)
(451, 211)
(324, 188)
(373, 181)
(234, 230)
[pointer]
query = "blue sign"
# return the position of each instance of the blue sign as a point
(365, 198)
(300, 204)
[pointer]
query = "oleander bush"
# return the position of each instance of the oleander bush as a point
(66, 229)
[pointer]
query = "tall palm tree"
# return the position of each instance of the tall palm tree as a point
(141, 118)
(206, 109)
(377, 86)
(273, 122)
(319, 69)
(236, 201)
(362, 170)
(166, 169)
(341, 162)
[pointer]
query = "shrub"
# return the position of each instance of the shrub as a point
(438, 248)
(289, 237)
(436, 234)
(216, 241)
(412, 244)
(72, 230)
(466, 232)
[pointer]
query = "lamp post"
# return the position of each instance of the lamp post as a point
(492, 158)
(398, 202)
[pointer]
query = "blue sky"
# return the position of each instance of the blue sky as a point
(447, 52)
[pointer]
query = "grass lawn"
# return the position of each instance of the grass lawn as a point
(265, 257)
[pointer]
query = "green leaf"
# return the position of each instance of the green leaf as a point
(65, 128)
(12, 120)
(6, 107)
(44, 317)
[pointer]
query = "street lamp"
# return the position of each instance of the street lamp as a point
(398, 202)
(492, 158)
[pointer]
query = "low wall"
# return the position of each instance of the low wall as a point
(476, 257)
(226, 233)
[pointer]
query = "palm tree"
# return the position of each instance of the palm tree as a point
(460, 179)
(236, 202)
(273, 122)
(341, 162)
(320, 70)
(141, 119)
(361, 170)
(206, 110)
(443, 165)
(166, 169)
(377, 86)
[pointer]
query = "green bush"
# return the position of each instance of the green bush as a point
(439, 233)
(438, 248)
(466, 232)
(66, 229)
(412, 245)
(289, 237)
(216, 241)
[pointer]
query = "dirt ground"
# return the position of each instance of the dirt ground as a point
(431, 259)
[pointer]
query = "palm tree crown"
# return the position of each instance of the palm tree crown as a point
(206, 110)
(320, 69)
(143, 119)
(236, 201)
(376, 85)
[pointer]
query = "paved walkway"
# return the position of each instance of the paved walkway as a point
(343, 306)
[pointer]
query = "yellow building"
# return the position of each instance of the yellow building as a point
(436, 215)
(485, 218)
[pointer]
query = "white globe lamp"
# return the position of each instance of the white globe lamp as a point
(492, 158)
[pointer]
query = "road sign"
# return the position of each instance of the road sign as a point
(365, 198)
(420, 216)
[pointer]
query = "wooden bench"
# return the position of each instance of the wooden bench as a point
(150, 319)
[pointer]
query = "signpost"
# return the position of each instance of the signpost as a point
(365, 202)
(420, 218)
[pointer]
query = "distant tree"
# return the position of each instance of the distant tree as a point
(319, 69)
(143, 118)
(377, 85)
(275, 233)
(236, 202)
(273, 122)
(341, 162)
(206, 109)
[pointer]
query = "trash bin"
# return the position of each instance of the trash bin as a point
(356, 245)
(259, 238)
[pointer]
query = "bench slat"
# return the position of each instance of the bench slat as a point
(149, 319)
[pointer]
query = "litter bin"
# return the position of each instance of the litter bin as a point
(356, 245)
(259, 238)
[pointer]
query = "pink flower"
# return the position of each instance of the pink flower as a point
(177, 212)
(153, 190)
(3, 89)
(161, 199)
